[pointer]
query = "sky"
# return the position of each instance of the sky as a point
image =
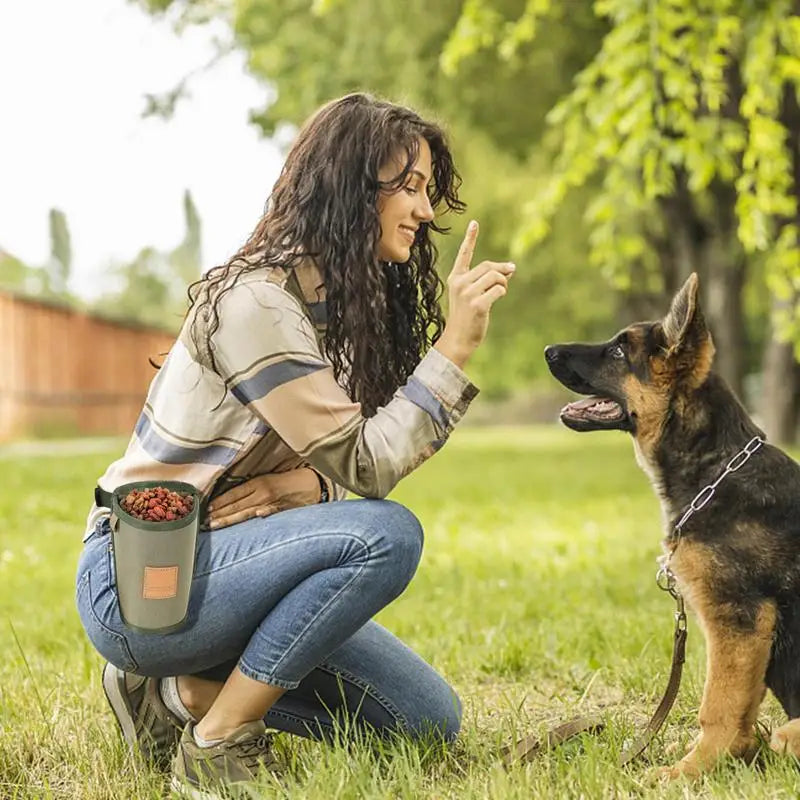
(73, 77)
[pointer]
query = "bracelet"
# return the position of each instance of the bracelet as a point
(324, 495)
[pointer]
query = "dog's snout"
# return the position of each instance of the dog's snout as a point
(551, 353)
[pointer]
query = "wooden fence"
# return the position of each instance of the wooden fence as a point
(66, 373)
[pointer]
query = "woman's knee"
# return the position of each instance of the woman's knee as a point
(405, 535)
(395, 536)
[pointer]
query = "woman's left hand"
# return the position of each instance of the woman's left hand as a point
(264, 495)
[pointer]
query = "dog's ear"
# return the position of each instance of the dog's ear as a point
(689, 344)
(684, 314)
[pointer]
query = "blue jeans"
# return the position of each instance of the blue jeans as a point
(289, 599)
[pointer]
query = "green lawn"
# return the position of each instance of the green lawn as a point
(535, 597)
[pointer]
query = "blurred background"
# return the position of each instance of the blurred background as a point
(609, 148)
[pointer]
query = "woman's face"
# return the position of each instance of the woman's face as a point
(401, 212)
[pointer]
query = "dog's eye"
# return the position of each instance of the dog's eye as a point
(617, 351)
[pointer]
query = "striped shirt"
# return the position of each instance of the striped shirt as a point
(272, 402)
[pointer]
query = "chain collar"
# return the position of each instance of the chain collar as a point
(707, 492)
(665, 578)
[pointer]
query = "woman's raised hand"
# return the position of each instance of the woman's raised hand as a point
(472, 291)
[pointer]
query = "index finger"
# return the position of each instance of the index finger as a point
(464, 257)
(230, 496)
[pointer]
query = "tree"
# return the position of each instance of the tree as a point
(187, 257)
(152, 287)
(494, 109)
(15, 274)
(687, 114)
(50, 279)
(58, 268)
(144, 294)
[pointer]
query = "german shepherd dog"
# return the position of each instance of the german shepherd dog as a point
(737, 560)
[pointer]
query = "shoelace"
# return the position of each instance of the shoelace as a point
(255, 752)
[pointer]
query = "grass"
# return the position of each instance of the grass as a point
(535, 597)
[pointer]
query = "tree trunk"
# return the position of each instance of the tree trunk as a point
(781, 384)
(706, 244)
(722, 303)
(780, 375)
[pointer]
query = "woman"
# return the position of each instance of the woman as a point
(315, 361)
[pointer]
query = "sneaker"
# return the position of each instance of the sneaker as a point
(147, 725)
(203, 772)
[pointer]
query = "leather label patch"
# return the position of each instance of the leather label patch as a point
(160, 583)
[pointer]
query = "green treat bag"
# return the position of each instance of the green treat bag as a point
(154, 560)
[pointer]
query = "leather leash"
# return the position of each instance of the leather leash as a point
(528, 747)
(674, 682)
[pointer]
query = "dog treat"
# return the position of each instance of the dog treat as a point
(157, 504)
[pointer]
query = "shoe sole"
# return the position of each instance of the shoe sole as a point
(117, 696)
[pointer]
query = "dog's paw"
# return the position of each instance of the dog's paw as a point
(707, 754)
(686, 768)
(681, 748)
(786, 739)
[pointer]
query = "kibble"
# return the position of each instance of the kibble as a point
(157, 504)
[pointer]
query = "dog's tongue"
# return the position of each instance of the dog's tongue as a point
(588, 402)
(597, 407)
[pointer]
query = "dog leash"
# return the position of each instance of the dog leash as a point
(676, 672)
(528, 747)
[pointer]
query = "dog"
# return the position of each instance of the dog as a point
(736, 560)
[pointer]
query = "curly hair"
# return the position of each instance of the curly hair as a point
(381, 317)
